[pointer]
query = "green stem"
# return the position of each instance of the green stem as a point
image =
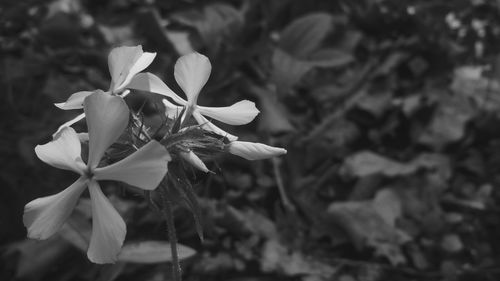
(172, 237)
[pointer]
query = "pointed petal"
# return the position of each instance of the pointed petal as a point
(64, 152)
(124, 62)
(107, 118)
(171, 110)
(45, 216)
(69, 123)
(194, 160)
(191, 73)
(75, 101)
(242, 112)
(254, 151)
(207, 125)
(144, 168)
(108, 228)
(151, 83)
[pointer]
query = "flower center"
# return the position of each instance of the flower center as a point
(89, 174)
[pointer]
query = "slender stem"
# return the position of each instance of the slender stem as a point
(172, 237)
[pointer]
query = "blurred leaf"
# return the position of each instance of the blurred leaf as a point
(452, 243)
(180, 41)
(330, 58)
(287, 70)
(36, 258)
(214, 23)
(304, 35)
(152, 252)
(77, 231)
(366, 227)
(118, 35)
(468, 81)
(388, 206)
(448, 123)
(277, 258)
(367, 163)
(273, 118)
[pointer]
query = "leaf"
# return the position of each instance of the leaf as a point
(366, 227)
(468, 81)
(448, 123)
(273, 118)
(366, 163)
(152, 252)
(37, 258)
(304, 35)
(277, 258)
(287, 70)
(387, 204)
(330, 58)
(215, 23)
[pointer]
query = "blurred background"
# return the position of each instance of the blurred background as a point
(389, 111)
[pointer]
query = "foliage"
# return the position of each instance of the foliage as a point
(388, 110)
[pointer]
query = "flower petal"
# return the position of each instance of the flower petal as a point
(108, 228)
(194, 160)
(64, 152)
(45, 216)
(75, 101)
(69, 123)
(144, 168)
(171, 110)
(242, 112)
(191, 73)
(151, 83)
(124, 62)
(144, 61)
(107, 118)
(207, 125)
(254, 151)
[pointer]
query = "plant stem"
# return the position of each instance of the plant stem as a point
(172, 237)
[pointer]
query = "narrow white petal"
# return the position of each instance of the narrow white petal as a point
(144, 168)
(242, 112)
(107, 118)
(45, 216)
(75, 101)
(191, 73)
(142, 62)
(151, 83)
(194, 160)
(209, 126)
(171, 110)
(64, 152)
(108, 228)
(69, 123)
(254, 151)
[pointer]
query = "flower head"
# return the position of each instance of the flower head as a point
(191, 73)
(107, 118)
(124, 64)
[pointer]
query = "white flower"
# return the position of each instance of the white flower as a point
(254, 151)
(124, 65)
(107, 118)
(191, 73)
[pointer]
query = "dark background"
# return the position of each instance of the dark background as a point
(388, 110)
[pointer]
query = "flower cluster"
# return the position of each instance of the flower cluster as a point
(109, 119)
